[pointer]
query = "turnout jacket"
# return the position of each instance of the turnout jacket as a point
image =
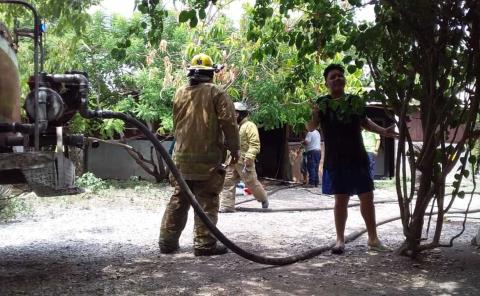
(205, 127)
(249, 139)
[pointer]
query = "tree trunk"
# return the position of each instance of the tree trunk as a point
(286, 167)
(162, 171)
(424, 196)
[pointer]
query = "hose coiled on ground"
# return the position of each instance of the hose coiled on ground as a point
(279, 261)
(196, 206)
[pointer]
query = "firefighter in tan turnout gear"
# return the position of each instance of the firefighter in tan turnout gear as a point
(245, 168)
(205, 127)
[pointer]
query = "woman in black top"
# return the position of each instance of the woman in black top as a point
(346, 166)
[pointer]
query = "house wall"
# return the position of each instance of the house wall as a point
(108, 161)
(385, 160)
(270, 159)
(296, 162)
(415, 127)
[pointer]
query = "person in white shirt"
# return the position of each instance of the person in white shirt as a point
(312, 149)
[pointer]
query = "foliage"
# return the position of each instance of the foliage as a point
(94, 184)
(90, 182)
(152, 25)
(60, 16)
(262, 81)
(385, 184)
(10, 206)
(130, 71)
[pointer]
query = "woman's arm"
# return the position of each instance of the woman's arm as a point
(389, 132)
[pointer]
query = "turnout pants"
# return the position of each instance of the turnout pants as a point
(235, 173)
(176, 213)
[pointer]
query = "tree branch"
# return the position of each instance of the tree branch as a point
(136, 155)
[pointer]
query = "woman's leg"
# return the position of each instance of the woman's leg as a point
(367, 208)
(341, 214)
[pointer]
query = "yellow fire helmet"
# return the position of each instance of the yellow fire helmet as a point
(202, 62)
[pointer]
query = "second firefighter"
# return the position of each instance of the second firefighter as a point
(245, 168)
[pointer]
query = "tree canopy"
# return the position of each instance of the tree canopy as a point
(132, 71)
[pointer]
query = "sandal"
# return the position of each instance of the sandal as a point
(379, 248)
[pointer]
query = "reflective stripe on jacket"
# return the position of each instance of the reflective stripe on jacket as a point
(205, 126)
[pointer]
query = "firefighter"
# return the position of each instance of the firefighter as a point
(204, 127)
(245, 168)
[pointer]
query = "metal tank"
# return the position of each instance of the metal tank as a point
(9, 84)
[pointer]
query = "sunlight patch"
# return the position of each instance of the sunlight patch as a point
(449, 287)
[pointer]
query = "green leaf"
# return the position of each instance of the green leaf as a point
(252, 36)
(291, 42)
(118, 54)
(472, 159)
(269, 12)
(347, 59)
(351, 69)
(466, 173)
(201, 14)
(184, 16)
(193, 21)
(299, 41)
(143, 8)
(143, 25)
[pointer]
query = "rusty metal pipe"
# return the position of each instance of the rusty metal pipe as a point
(36, 45)
(15, 127)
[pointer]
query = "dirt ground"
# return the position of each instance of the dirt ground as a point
(105, 243)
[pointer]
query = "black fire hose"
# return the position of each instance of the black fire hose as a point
(311, 209)
(201, 214)
(196, 206)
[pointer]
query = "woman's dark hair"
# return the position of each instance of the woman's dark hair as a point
(332, 67)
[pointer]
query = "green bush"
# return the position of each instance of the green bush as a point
(92, 183)
(10, 206)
